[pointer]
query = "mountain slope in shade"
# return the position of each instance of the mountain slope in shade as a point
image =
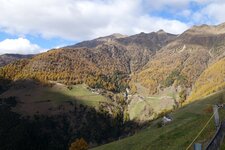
(9, 58)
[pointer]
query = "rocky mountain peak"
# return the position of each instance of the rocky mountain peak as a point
(207, 29)
(161, 31)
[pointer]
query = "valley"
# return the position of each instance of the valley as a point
(112, 92)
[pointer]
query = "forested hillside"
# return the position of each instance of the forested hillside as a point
(183, 60)
(97, 66)
(115, 83)
(210, 81)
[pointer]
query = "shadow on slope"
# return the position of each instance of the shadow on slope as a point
(48, 98)
(39, 124)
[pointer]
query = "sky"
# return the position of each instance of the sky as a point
(34, 26)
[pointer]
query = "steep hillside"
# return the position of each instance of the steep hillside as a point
(177, 135)
(72, 66)
(171, 74)
(32, 97)
(98, 65)
(139, 48)
(183, 60)
(211, 80)
(9, 58)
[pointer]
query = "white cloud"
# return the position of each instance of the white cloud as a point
(83, 19)
(19, 46)
(214, 12)
(211, 13)
(173, 26)
(195, 12)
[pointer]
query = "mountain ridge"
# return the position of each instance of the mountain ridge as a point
(159, 62)
(123, 83)
(9, 58)
(187, 53)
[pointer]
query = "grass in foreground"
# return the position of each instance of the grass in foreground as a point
(187, 122)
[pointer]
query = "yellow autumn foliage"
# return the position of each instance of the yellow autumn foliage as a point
(210, 81)
(79, 144)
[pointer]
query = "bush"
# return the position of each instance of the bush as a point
(79, 144)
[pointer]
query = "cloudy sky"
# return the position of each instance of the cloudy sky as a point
(33, 26)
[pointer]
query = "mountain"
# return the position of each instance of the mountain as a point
(117, 83)
(154, 64)
(9, 58)
(158, 65)
(98, 41)
(76, 64)
(183, 60)
(153, 41)
(176, 73)
(139, 48)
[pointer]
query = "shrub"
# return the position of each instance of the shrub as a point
(79, 144)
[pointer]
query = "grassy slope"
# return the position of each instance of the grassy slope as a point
(78, 92)
(188, 121)
(142, 103)
(156, 103)
(47, 100)
(58, 93)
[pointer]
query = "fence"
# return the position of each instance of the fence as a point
(218, 138)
